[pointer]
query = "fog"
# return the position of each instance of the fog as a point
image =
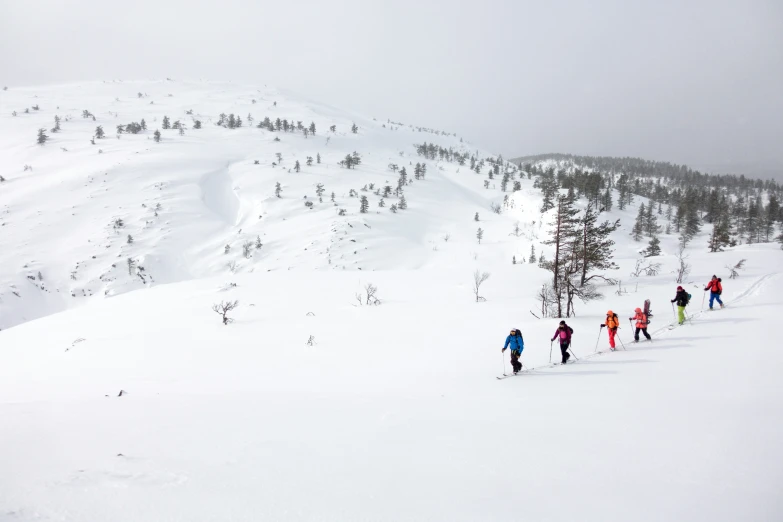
(696, 82)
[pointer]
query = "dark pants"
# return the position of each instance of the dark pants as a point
(564, 351)
(515, 360)
(644, 331)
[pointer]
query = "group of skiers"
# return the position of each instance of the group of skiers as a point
(612, 324)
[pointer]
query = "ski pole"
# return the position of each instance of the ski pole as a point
(600, 329)
(621, 341)
(550, 352)
(572, 352)
(703, 295)
(504, 361)
(673, 314)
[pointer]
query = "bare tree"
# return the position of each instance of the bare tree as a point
(495, 207)
(478, 279)
(371, 290)
(223, 308)
(734, 270)
(232, 266)
(684, 267)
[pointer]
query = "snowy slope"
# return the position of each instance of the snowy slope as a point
(393, 412)
(184, 199)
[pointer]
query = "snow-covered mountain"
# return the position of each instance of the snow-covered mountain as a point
(68, 207)
(126, 398)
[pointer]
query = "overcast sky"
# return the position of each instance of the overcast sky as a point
(690, 81)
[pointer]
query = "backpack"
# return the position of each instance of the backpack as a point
(616, 321)
(519, 334)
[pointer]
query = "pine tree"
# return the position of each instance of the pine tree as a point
(278, 189)
(42, 137)
(595, 245)
(157, 136)
(99, 132)
(479, 235)
(653, 247)
(638, 226)
(771, 215)
(197, 124)
(318, 158)
(166, 123)
(549, 188)
(476, 217)
(607, 199)
(143, 124)
(312, 128)
(403, 203)
(364, 205)
(297, 167)
(354, 128)
(720, 237)
(651, 227)
(56, 127)
(563, 235)
(532, 258)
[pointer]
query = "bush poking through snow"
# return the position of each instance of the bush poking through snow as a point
(223, 308)
(684, 268)
(478, 280)
(734, 270)
(247, 249)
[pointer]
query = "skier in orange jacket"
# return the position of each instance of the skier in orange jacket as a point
(612, 323)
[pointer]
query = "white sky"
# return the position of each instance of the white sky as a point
(690, 81)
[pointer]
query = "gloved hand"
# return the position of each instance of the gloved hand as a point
(603, 325)
(503, 350)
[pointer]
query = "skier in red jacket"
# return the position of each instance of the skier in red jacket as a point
(641, 325)
(715, 289)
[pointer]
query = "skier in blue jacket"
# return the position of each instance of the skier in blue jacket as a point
(517, 345)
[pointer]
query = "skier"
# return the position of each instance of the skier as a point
(715, 289)
(641, 325)
(682, 299)
(517, 345)
(564, 333)
(612, 324)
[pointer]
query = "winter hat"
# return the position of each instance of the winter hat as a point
(714, 276)
(609, 312)
(638, 310)
(679, 288)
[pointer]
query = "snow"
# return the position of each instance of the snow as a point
(394, 412)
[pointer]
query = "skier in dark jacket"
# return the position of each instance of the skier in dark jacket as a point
(716, 288)
(564, 332)
(517, 344)
(682, 299)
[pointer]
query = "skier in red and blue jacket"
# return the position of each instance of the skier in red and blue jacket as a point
(715, 289)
